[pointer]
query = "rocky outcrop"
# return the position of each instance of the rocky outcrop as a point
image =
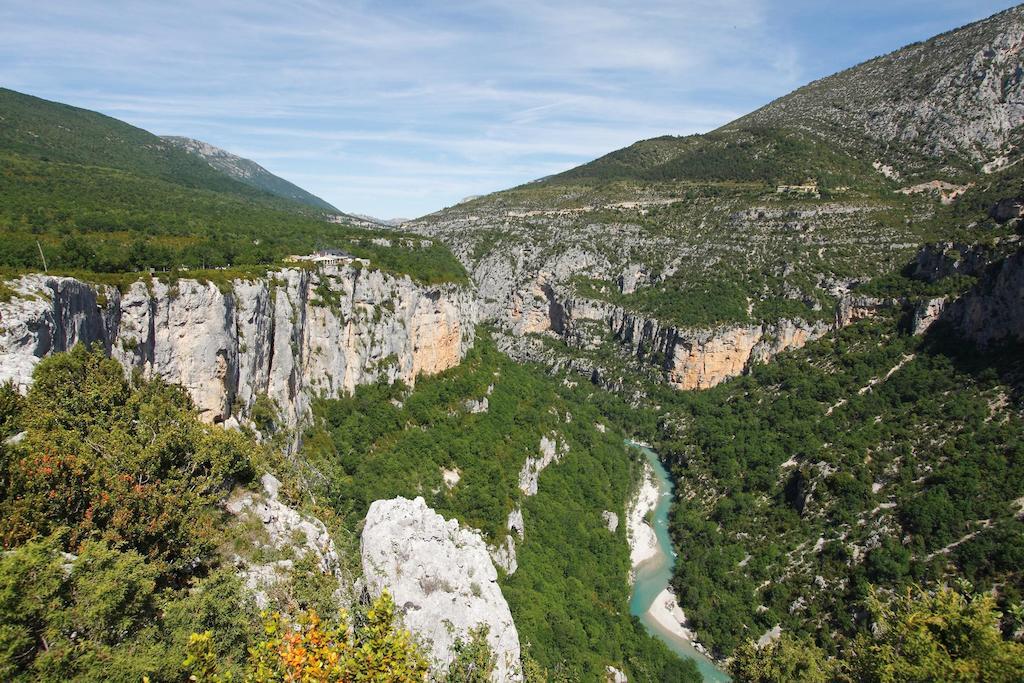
(613, 675)
(529, 475)
(291, 335)
(937, 261)
(709, 358)
(852, 308)
(992, 312)
(926, 313)
(441, 578)
(286, 532)
(1008, 209)
(504, 554)
(690, 358)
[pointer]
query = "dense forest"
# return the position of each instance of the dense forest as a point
(86, 219)
(118, 550)
(903, 459)
(119, 561)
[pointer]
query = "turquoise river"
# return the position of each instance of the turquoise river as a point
(653, 576)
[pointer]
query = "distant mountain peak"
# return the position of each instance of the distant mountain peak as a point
(247, 171)
(958, 95)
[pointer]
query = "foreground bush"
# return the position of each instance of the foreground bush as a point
(372, 648)
(918, 635)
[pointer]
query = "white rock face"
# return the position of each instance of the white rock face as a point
(611, 520)
(613, 675)
(926, 313)
(515, 522)
(770, 636)
(440, 576)
(504, 554)
(474, 406)
(291, 335)
(451, 477)
(52, 314)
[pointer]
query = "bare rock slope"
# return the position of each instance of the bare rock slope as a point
(773, 220)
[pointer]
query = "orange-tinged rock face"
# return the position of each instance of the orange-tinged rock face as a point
(700, 365)
(290, 336)
(436, 341)
(703, 364)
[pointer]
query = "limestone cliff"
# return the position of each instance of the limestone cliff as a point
(528, 289)
(991, 314)
(290, 336)
(441, 578)
(689, 358)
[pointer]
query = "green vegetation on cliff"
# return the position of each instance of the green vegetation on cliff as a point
(111, 527)
(918, 635)
(762, 156)
(120, 562)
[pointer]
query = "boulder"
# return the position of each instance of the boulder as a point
(442, 580)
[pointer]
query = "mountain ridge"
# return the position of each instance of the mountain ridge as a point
(247, 171)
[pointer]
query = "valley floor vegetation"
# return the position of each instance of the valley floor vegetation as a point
(117, 561)
(569, 596)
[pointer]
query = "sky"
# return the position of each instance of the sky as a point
(397, 109)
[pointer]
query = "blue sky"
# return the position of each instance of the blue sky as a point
(400, 108)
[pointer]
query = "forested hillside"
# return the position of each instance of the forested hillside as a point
(85, 192)
(120, 545)
(814, 315)
(852, 458)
